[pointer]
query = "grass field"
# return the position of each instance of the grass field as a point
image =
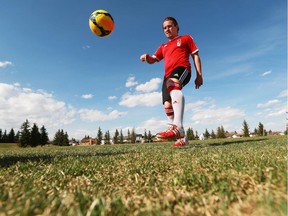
(212, 177)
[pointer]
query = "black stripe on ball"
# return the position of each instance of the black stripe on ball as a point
(103, 31)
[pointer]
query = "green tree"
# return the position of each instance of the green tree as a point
(220, 132)
(66, 139)
(11, 136)
(25, 136)
(190, 134)
(99, 136)
(149, 136)
(260, 131)
(1, 136)
(145, 136)
(206, 134)
(107, 137)
(196, 135)
(61, 138)
(35, 136)
(213, 135)
(245, 129)
(121, 137)
(44, 139)
(128, 136)
(5, 137)
(116, 137)
(133, 136)
(17, 137)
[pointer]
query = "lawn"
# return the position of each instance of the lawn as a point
(212, 177)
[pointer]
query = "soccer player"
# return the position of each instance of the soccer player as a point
(176, 53)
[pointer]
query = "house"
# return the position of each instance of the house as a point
(88, 141)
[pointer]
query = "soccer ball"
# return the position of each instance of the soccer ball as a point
(101, 23)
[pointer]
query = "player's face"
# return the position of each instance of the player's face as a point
(170, 30)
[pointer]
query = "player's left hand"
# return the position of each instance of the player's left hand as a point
(198, 82)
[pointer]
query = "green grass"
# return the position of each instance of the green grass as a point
(213, 177)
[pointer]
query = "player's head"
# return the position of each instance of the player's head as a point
(170, 27)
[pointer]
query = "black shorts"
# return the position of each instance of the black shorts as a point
(180, 73)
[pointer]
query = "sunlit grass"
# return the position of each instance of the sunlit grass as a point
(213, 177)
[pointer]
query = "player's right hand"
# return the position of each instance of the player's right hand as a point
(143, 57)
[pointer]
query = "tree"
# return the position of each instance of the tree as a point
(145, 136)
(213, 135)
(107, 137)
(260, 131)
(5, 137)
(190, 134)
(149, 136)
(25, 134)
(116, 137)
(196, 135)
(11, 136)
(61, 138)
(44, 139)
(99, 136)
(121, 137)
(133, 136)
(220, 132)
(245, 129)
(35, 136)
(206, 134)
(66, 139)
(128, 136)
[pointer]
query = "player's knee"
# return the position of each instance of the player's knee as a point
(173, 84)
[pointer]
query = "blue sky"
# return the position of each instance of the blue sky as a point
(56, 73)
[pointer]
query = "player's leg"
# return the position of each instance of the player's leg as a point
(169, 111)
(173, 85)
(177, 100)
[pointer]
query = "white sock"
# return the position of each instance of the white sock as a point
(178, 101)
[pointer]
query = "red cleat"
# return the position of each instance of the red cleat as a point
(172, 132)
(181, 142)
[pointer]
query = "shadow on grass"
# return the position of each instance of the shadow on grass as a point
(9, 160)
(220, 142)
(235, 141)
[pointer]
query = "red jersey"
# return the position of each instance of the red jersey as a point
(176, 52)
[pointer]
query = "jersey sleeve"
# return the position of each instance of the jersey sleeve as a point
(192, 45)
(158, 55)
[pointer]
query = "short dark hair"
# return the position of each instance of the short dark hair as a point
(173, 20)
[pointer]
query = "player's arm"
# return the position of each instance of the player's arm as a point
(198, 68)
(149, 59)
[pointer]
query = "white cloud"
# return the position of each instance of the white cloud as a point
(217, 116)
(86, 47)
(131, 82)
(266, 73)
(18, 104)
(5, 64)
(278, 111)
(87, 96)
(268, 103)
(195, 105)
(283, 93)
(146, 99)
(153, 125)
(149, 86)
(112, 97)
(97, 115)
(232, 71)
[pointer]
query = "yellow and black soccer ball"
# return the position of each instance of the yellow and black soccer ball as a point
(101, 23)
